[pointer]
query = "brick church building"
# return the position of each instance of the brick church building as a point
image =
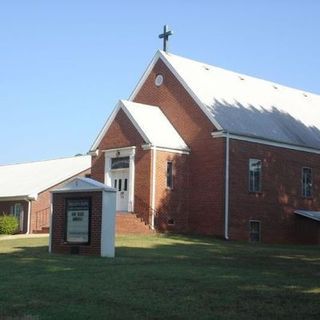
(198, 149)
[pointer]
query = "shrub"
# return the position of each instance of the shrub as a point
(8, 224)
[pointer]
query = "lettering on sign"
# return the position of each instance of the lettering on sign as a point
(78, 218)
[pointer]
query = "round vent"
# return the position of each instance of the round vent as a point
(159, 80)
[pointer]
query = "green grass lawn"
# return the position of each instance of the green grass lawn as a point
(161, 277)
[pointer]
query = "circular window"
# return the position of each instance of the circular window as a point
(159, 80)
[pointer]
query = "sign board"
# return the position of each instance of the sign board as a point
(78, 220)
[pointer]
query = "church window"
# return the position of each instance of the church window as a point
(16, 209)
(255, 175)
(255, 230)
(169, 175)
(306, 182)
(120, 163)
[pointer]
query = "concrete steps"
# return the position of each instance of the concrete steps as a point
(126, 223)
(129, 223)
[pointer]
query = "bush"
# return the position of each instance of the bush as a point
(8, 224)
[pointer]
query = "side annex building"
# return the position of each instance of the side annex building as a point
(25, 189)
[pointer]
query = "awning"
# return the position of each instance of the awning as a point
(314, 215)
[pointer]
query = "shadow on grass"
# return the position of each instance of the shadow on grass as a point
(171, 277)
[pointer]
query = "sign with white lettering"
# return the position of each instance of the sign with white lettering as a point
(78, 220)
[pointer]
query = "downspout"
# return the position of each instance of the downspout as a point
(153, 198)
(50, 224)
(29, 217)
(226, 197)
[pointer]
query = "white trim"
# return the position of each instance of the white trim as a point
(80, 190)
(144, 76)
(134, 122)
(153, 199)
(119, 149)
(161, 55)
(107, 240)
(149, 147)
(93, 153)
(256, 189)
(132, 171)
(226, 197)
(29, 217)
(124, 152)
(104, 129)
(18, 198)
(120, 105)
(303, 186)
(222, 134)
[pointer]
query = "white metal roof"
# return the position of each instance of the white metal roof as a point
(249, 106)
(150, 122)
(28, 179)
(244, 105)
(314, 215)
(155, 126)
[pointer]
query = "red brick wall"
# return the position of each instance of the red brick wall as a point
(197, 201)
(172, 204)
(206, 160)
(280, 196)
(59, 223)
(5, 208)
(122, 133)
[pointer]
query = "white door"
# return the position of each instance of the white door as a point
(120, 181)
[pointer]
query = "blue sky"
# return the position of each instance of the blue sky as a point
(64, 64)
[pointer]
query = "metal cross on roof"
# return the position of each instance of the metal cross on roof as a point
(165, 36)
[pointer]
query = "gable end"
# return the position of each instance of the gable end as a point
(160, 55)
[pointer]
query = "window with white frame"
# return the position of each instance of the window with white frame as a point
(16, 209)
(306, 182)
(255, 166)
(170, 175)
(255, 230)
(120, 163)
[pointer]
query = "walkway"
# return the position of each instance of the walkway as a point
(22, 236)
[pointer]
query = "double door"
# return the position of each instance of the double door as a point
(120, 181)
